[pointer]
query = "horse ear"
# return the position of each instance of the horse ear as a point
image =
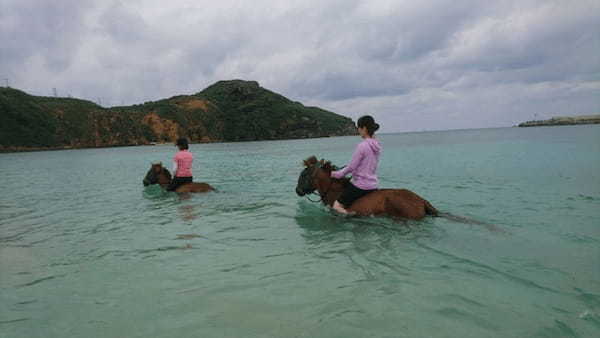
(310, 161)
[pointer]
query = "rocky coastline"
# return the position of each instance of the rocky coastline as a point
(563, 121)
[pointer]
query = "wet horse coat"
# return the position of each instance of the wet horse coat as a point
(161, 176)
(398, 203)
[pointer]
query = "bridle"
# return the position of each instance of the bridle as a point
(323, 195)
(315, 192)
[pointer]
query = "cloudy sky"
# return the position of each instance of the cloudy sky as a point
(413, 65)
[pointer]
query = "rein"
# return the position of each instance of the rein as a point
(314, 193)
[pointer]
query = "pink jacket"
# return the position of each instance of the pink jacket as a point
(363, 165)
(182, 162)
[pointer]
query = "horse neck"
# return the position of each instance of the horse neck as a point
(330, 189)
(163, 179)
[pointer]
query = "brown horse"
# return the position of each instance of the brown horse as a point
(161, 176)
(397, 203)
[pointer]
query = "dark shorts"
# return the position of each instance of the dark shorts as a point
(177, 182)
(352, 193)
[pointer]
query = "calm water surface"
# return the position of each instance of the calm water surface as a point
(86, 251)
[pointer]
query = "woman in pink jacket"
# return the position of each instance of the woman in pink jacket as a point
(182, 165)
(363, 166)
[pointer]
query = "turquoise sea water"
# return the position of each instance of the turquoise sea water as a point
(86, 251)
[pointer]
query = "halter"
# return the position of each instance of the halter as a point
(324, 195)
(315, 193)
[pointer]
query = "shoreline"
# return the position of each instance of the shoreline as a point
(9, 150)
(19, 149)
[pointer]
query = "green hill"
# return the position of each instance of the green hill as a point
(563, 121)
(225, 111)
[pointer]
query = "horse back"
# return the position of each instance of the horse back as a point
(195, 187)
(394, 202)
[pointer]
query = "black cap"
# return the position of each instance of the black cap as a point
(182, 142)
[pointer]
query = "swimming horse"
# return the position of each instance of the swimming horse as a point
(161, 176)
(397, 203)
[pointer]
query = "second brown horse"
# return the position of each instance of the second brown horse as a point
(397, 203)
(161, 176)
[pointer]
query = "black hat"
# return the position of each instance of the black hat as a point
(182, 143)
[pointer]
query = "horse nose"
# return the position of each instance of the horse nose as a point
(299, 192)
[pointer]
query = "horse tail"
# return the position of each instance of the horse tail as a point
(430, 210)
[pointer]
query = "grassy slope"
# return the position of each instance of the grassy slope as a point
(225, 111)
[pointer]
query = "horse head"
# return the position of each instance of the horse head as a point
(315, 176)
(157, 175)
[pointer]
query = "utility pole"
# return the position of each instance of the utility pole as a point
(54, 92)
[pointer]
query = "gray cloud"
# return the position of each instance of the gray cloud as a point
(414, 65)
(44, 29)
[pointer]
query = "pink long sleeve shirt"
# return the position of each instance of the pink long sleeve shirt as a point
(182, 162)
(363, 165)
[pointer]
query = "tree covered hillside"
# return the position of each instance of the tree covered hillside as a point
(225, 111)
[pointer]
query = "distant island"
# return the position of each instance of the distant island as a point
(227, 111)
(564, 121)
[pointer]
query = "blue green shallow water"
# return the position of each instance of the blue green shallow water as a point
(86, 251)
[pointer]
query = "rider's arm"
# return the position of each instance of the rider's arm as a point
(356, 159)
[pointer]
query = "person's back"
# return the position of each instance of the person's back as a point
(364, 175)
(184, 160)
(182, 165)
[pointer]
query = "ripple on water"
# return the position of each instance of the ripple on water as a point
(462, 315)
(558, 328)
(254, 259)
(579, 238)
(10, 321)
(39, 280)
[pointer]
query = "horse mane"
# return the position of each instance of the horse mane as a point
(324, 164)
(167, 173)
(310, 161)
(327, 166)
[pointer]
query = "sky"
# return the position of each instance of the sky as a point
(412, 65)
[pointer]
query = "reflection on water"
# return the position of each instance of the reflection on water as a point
(188, 212)
(317, 219)
(167, 200)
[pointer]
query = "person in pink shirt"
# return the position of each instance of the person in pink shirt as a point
(363, 166)
(182, 165)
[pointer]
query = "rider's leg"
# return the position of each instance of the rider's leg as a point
(177, 182)
(337, 206)
(173, 185)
